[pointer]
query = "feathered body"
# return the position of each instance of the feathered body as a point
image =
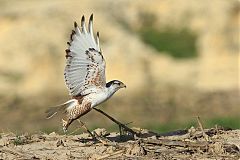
(84, 75)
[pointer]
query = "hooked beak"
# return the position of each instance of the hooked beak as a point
(123, 85)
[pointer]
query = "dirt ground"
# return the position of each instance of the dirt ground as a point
(215, 143)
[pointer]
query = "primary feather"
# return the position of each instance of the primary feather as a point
(85, 66)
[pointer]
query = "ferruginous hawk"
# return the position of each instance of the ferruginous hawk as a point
(84, 75)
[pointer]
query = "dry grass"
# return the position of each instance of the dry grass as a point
(185, 144)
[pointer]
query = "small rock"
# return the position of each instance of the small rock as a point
(153, 137)
(4, 141)
(216, 148)
(52, 134)
(111, 149)
(192, 130)
(101, 132)
(84, 135)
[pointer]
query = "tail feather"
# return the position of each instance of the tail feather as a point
(54, 110)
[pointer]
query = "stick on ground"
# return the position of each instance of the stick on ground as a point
(86, 129)
(121, 125)
(202, 129)
(119, 153)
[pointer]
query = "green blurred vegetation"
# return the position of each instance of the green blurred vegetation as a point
(18, 141)
(226, 122)
(231, 122)
(177, 43)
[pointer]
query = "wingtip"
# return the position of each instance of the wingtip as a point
(67, 50)
(75, 24)
(72, 34)
(98, 40)
(83, 19)
(91, 17)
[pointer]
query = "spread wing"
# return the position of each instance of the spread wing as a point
(85, 66)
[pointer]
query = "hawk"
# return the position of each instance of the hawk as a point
(84, 75)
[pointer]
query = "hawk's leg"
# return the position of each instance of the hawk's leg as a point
(85, 128)
(65, 124)
(121, 125)
(120, 130)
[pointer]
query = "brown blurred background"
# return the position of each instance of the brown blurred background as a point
(179, 59)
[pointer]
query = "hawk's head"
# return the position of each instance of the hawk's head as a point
(115, 85)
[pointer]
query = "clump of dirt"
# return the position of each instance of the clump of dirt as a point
(194, 143)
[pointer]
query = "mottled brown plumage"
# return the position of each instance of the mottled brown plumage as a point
(76, 112)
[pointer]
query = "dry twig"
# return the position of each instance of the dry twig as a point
(119, 153)
(86, 129)
(202, 129)
(104, 141)
(121, 125)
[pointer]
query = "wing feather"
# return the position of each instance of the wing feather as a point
(85, 65)
(98, 40)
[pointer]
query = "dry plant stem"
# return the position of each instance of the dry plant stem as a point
(104, 142)
(202, 129)
(86, 129)
(94, 136)
(119, 153)
(117, 122)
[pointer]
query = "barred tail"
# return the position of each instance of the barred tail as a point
(62, 107)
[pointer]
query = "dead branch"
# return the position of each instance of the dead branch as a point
(202, 129)
(118, 153)
(118, 123)
(103, 140)
(86, 129)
